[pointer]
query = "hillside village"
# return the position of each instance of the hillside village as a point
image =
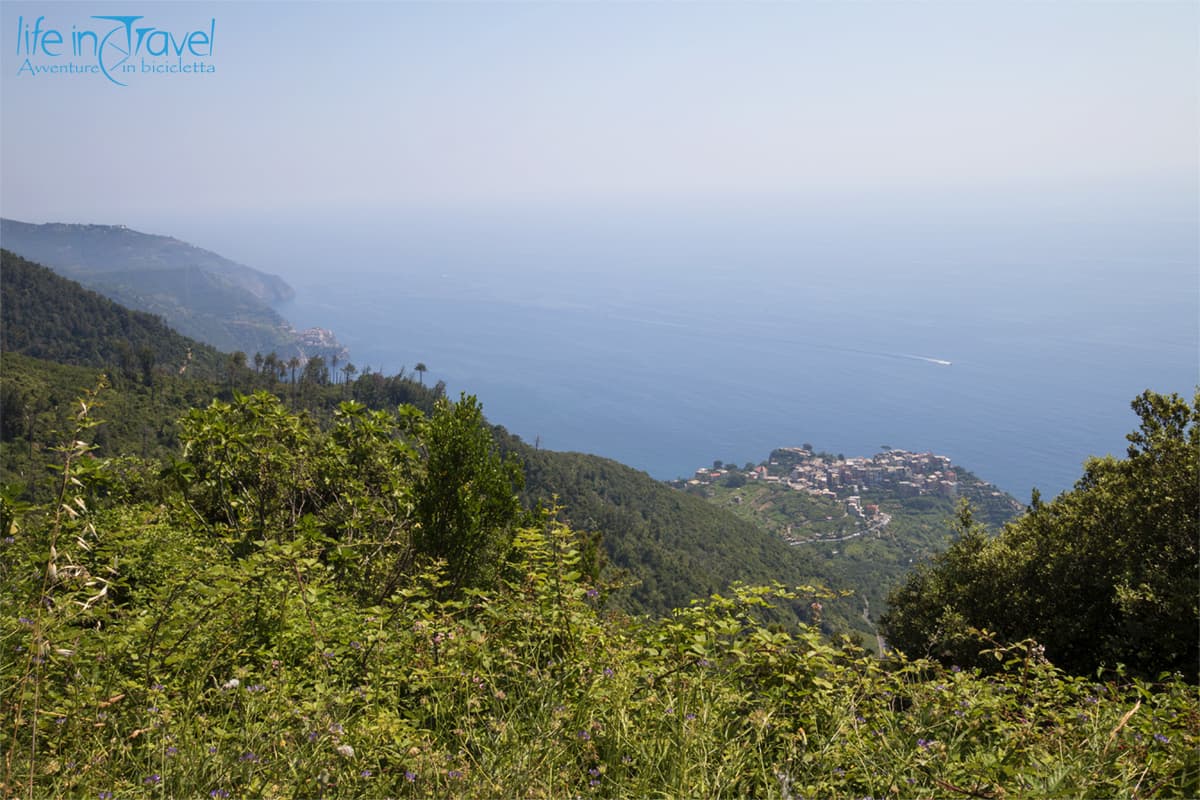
(901, 472)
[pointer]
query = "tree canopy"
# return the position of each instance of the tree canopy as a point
(1104, 575)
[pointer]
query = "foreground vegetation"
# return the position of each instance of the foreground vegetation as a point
(271, 618)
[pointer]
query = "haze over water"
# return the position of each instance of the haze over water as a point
(1013, 345)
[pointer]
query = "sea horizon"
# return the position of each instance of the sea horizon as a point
(668, 348)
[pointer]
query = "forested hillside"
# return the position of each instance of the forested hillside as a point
(198, 292)
(52, 318)
(93, 250)
(676, 547)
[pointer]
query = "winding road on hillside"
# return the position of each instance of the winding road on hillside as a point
(877, 525)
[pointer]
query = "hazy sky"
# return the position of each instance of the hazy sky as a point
(377, 107)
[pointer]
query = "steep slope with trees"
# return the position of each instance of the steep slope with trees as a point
(677, 547)
(50, 317)
(199, 293)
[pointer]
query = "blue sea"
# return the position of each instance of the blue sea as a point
(668, 340)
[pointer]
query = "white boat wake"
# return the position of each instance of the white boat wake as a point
(941, 362)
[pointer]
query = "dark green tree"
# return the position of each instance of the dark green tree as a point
(146, 360)
(467, 505)
(316, 372)
(1102, 575)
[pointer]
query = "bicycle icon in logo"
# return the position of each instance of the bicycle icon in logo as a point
(114, 50)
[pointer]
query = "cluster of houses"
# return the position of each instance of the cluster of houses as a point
(907, 474)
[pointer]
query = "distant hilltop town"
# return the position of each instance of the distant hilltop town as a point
(823, 475)
(320, 342)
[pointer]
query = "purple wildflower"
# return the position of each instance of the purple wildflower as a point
(1162, 739)
(924, 743)
(366, 773)
(153, 780)
(689, 717)
(313, 736)
(592, 594)
(104, 795)
(594, 772)
(218, 794)
(256, 688)
(608, 672)
(410, 776)
(25, 620)
(172, 750)
(584, 735)
(212, 749)
(454, 774)
(249, 757)
(594, 782)
(158, 687)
